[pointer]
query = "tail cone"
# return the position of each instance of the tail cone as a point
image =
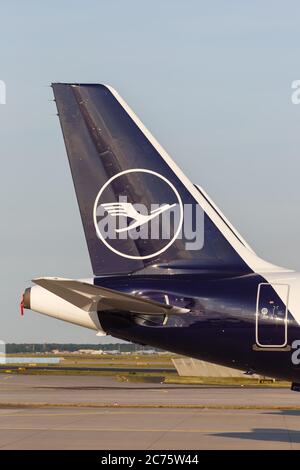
(25, 301)
(22, 306)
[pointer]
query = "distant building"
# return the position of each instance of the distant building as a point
(59, 351)
(145, 351)
(30, 360)
(95, 352)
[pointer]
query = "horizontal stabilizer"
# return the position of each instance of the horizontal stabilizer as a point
(90, 298)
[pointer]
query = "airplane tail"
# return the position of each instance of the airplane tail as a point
(140, 213)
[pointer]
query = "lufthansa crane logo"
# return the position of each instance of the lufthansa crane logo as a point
(138, 214)
(127, 209)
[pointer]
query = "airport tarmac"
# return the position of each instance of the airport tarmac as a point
(83, 412)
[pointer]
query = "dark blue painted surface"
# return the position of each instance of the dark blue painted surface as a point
(213, 282)
(220, 326)
(102, 140)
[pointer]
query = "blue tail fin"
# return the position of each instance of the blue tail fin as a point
(139, 211)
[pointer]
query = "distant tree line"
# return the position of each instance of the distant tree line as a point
(14, 348)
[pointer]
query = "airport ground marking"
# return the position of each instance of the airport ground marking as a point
(149, 406)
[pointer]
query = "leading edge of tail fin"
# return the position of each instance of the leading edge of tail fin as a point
(139, 211)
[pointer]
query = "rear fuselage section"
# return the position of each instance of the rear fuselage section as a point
(235, 320)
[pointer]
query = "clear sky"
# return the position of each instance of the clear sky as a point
(211, 80)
